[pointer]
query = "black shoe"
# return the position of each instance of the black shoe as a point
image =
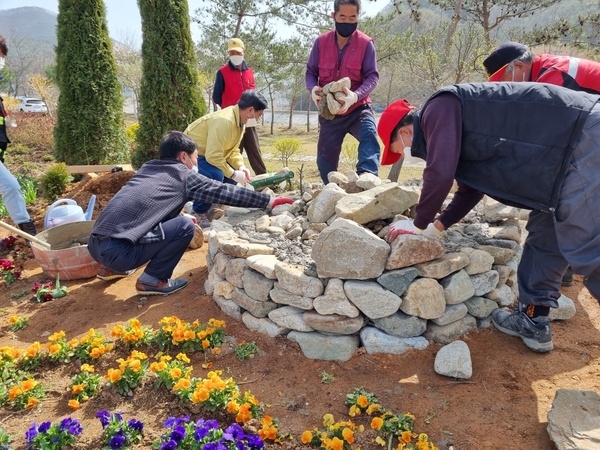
(567, 279)
(536, 336)
(28, 227)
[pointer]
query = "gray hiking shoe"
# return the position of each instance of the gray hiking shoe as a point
(536, 336)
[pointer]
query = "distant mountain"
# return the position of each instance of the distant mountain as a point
(31, 23)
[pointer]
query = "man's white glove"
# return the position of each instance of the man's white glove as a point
(347, 100)
(316, 98)
(239, 177)
(246, 172)
(408, 227)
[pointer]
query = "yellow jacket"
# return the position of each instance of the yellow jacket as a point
(218, 136)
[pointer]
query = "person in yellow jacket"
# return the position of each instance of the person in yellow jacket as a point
(218, 136)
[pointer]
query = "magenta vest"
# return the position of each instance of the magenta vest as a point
(350, 66)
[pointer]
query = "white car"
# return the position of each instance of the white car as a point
(34, 105)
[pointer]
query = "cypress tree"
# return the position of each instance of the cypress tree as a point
(170, 96)
(90, 123)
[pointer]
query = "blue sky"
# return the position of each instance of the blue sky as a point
(124, 21)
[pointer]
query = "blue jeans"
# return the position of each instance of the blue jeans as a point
(360, 123)
(121, 255)
(13, 199)
(214, 173)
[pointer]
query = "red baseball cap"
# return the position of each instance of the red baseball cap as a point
(389, 119)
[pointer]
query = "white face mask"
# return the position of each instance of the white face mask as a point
(406, 150)
(236, 60)
(195, 169)
(2, 62)
(251, 122)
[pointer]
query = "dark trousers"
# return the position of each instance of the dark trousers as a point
(252, 147)
(360, 123)
(214, 173)
(570, 236)
(122, 255)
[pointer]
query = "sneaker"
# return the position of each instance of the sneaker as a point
(28, 227)
(536, 336)
(161, 288)
(567, 279)
(202, 219)
(104, 273)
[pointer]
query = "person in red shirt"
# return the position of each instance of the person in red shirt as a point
(232, 79)
(513, 61)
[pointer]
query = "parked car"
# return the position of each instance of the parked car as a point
(33, 105)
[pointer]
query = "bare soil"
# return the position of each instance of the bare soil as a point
(503, 405)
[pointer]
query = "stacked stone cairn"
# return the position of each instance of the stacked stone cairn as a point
(321, 273)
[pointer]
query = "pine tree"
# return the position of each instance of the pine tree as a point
(170, 96)
(90, 122)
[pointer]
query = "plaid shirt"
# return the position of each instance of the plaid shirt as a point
(158, 192)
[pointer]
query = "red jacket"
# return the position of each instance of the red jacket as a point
(235, 81)
(330, 69)
(573, 73)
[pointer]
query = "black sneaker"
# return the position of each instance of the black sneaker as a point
(28, 227)
(567, 279)
(536, 336)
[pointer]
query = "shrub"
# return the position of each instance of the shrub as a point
(131, 131)
(90, 124)
(166, 25)
(287, 148)
(54, 181)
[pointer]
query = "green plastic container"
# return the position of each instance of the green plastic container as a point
(271, 180)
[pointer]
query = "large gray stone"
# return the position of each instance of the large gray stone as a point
(349, 251)
(398, 281)
(454, 360)
(574, 420)
(329, 348)
(374, 301)
(376, 341)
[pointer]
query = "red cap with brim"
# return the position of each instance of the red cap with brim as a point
(498, 74)
(389, 119)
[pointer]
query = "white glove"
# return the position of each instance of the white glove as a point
(347, 100)
(239, 177)
(246, 172)
(316, 98)
(408, 227)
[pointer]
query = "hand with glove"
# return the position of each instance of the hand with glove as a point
(239, 176)
(408, 227)
(347, 100)
(276, 201)
(317, 95)
(246, 172)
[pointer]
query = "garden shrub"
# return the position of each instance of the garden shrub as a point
(54, 182)
(166, 26)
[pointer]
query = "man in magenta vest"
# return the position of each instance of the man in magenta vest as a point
(345, 52)
(232, 79)
(513, 61)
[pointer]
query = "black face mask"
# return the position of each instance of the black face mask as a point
(345, 29)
